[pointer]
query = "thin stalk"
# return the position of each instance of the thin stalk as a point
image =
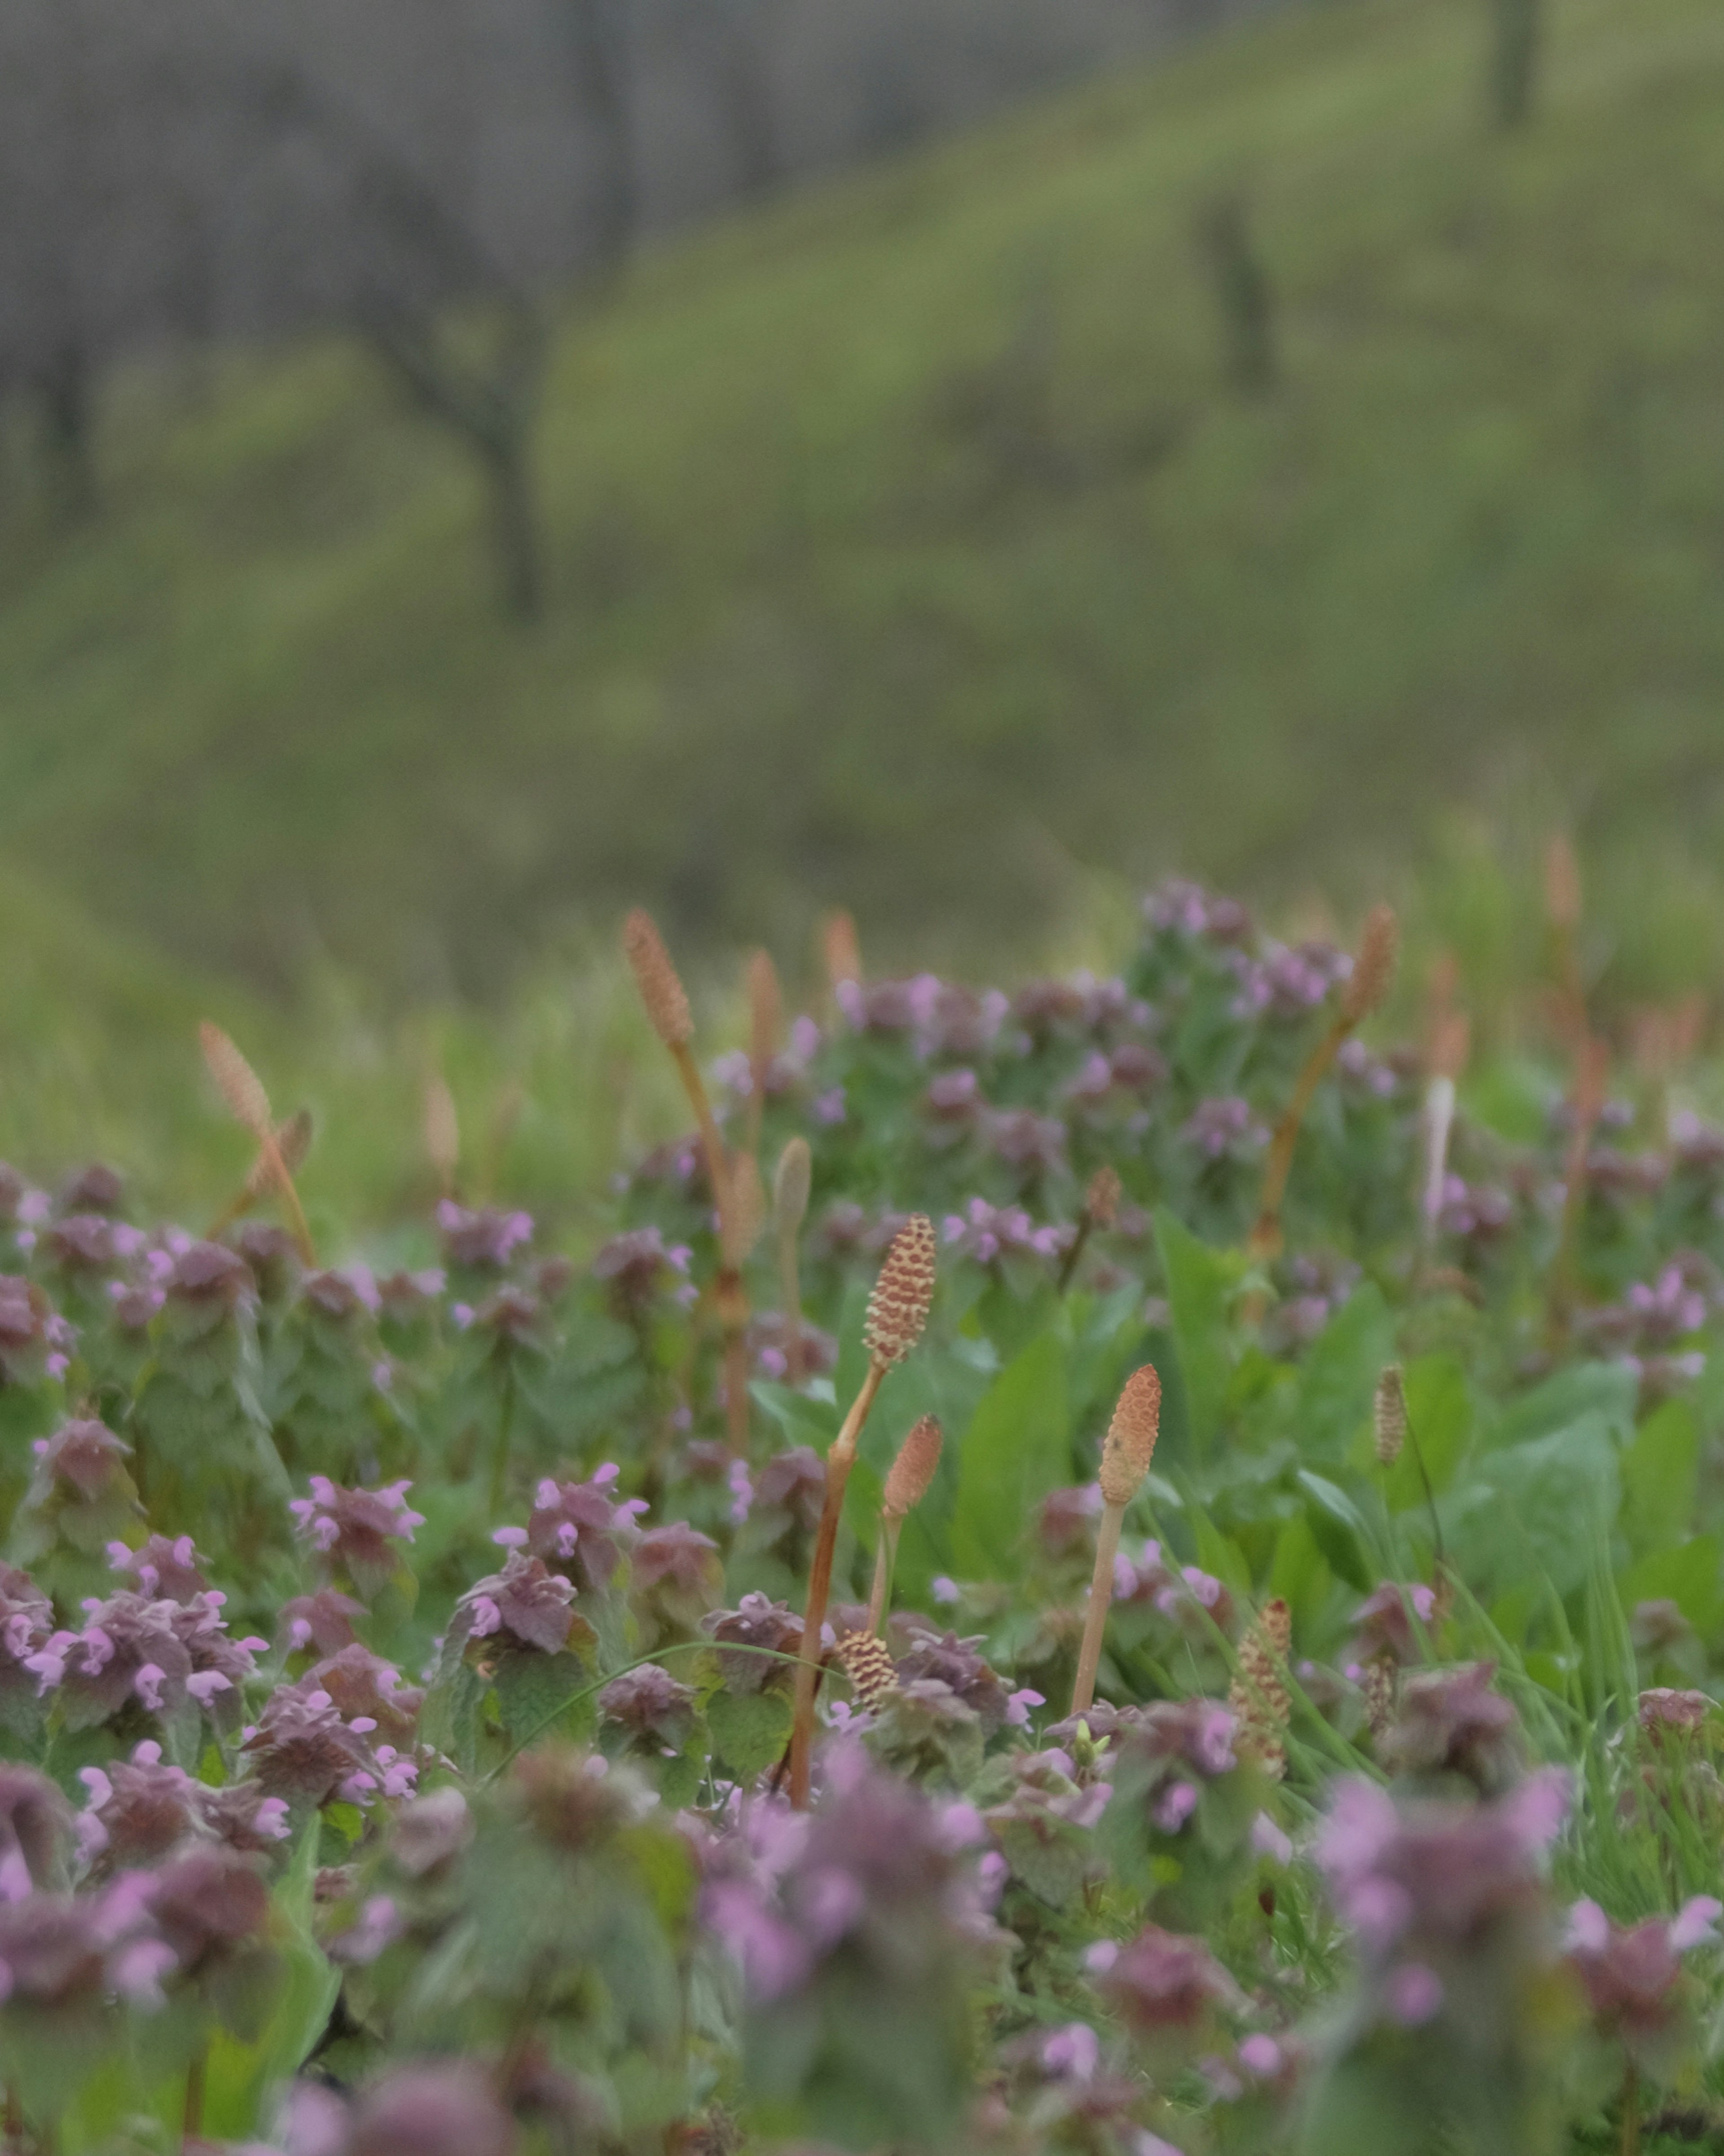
(1591, 1064)
(790, 1294)
(839, 1463)
(1107, 1548)
(1074, 1256)
(192, 2129)
(712, 1144)
(736, 1390)
(1439, 1123)
(1630, 2109)
(1266, 1239)
(1440, 1562)
(282, 1177)
(885, 1559)
(500, 1458)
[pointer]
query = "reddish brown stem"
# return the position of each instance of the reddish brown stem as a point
(736, 1390)
(1107, 1544)
(1265, 1241)
(839, 1462)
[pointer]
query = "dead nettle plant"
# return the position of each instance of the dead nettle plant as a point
(249, 1104)
(897, 1313)
(1369, 981)
(1126, 1452)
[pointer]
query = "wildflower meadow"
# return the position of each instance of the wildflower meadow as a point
(1128, 1565)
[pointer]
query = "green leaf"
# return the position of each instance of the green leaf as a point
(1217, 1553)
(535, 1690)
(1439, 1415)
(1660, 1474)
(750, 1730)
(1537, 1508)
(1017, 1448)
(1301, 1574)
(1338, 1528)
(1687, 1575)
(1340, 1372)
(1605, 1390)
(1198, 1280)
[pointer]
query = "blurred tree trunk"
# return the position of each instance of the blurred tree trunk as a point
(1517, 29)
(65, 395)
(1243, 295)
(495, 410)
(603, 57)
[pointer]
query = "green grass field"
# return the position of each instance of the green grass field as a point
(910, 549)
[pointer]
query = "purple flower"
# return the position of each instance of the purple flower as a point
(354, 1529)
(1224, 1128)
(1427, 1884)
(1163, 1982)
(1631, 1976)
(483, 1239)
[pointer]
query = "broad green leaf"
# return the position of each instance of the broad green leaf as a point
(1687, 1575)
(1198, 1280)
(1660, 1473)
(1017, 1448)
(1605, 1390)
(1537, 1508)
(1301, 1574)
(1217, 1553)
(1340, 1372)
(1439, 1415)
(1338, 1528)
(751, 1729)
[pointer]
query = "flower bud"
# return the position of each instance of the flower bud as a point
(1374, 968)
(1101, 1201)
(1129, 1444)
(898, 1308)
(661, 991)
(1389, 1415)
(790, 1186)
(913, 1470)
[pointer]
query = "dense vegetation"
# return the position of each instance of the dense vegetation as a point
(910, 543)
(399, 1661)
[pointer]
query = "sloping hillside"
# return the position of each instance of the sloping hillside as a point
(910, 545)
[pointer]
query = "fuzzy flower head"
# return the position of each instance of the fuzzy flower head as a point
(524, 1605)
(357, 1533)
(1442, 1897)
(483, 1241)
(581, 1529)
(872, 1885)
(1633, 1979)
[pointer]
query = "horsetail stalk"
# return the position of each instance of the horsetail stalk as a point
(897, 1312)
(1126, 1453)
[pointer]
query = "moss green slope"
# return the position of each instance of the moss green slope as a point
(908, 546)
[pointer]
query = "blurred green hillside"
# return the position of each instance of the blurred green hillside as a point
(910, 548)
